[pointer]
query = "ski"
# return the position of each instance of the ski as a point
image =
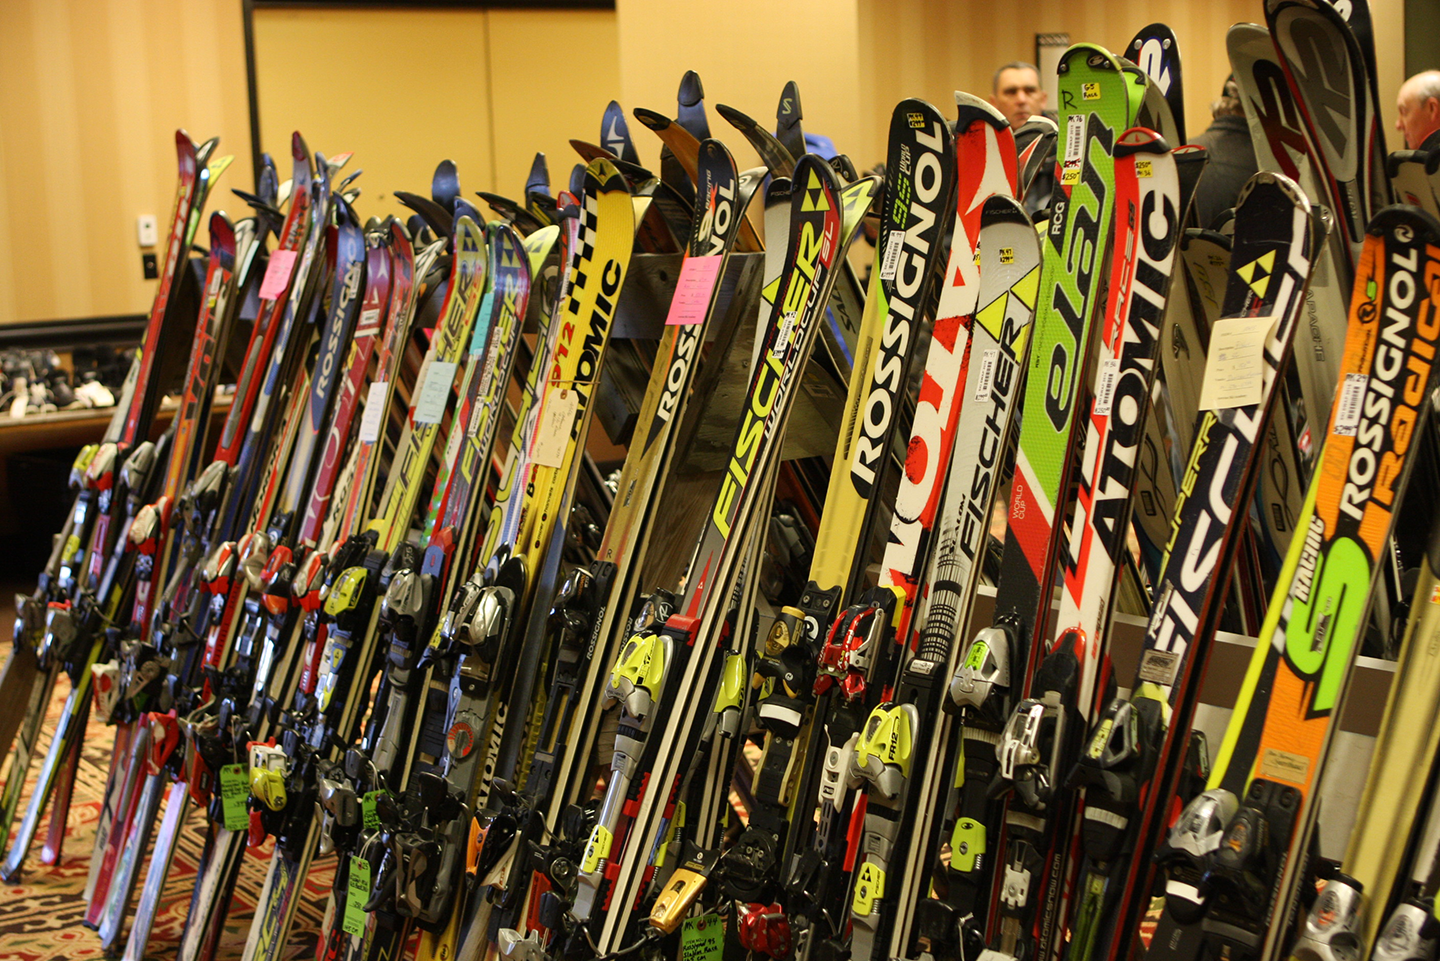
(1276, 744)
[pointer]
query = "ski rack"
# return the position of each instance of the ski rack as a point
(1363, 709)
(640, 315)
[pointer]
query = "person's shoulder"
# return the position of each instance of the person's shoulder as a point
(1431, 142)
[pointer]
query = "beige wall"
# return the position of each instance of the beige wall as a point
(744, 51)
(409, 88)
(92, 88)
(90, 94)
(928, 48)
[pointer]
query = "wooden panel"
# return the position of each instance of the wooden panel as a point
(401, 89)
(929, 48)
(93, 91)
(552, 73)
(745, 51)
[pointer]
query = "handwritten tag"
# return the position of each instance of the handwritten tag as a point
(374, 413)
(368, 813)
(277, 274)
(1235, 369)
(234, 797)
(435, 395)
(357, 892)
(552, 434)
(698, 276)
(702, 938)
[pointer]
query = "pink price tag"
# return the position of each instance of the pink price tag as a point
(698, 276)
(277, 274)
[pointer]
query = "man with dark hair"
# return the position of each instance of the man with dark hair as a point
(1232, 156)
(1419, 108)
(1016, 92)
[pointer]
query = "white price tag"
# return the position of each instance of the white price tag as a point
(552, 434)
(435, 394)
(374, 413)
(1235, 368)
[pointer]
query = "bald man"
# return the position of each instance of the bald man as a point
(1016, 92)
(1419, 106)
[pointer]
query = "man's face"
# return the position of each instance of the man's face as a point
(1416, 120)
(1018, 95)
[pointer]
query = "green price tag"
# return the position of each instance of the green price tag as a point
(234, 797)
(702, 938)
(367, 809)
(356, 894)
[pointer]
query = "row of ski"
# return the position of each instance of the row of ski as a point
(387, 611)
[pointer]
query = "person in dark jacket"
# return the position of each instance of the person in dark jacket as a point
(1419, 108)
(1232, 156)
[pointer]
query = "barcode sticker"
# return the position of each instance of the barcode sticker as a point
(890, 263)
(552, 434)
(369, 321)
(1105, 383)
(1074, 137)
(1347, 412)
(374, 413)
(782, 339)
(986, 380)
(435, 395)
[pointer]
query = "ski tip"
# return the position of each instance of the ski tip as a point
(1405, 220)
(1140, 140)
(1094, 56)
(1000, 209)
(692, 91)
(652, 119)
(604, 177)
(788, 111)
(736, 118)
(972, 108)
(589, 151)
(1153, 31)
(1270, 179)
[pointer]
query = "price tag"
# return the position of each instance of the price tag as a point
(1106, 380)
(439, 379)
(552, 434)
(277, 274)
(357, 892)
(1074, 137)
(234, 797)
(702, 938)
(890, 263)
(374, 413)
(367, 809)
(985, 381)
(1347, 411)
(698, 276)
(1235, 369)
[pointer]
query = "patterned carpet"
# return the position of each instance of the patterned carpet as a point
(40, 917)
